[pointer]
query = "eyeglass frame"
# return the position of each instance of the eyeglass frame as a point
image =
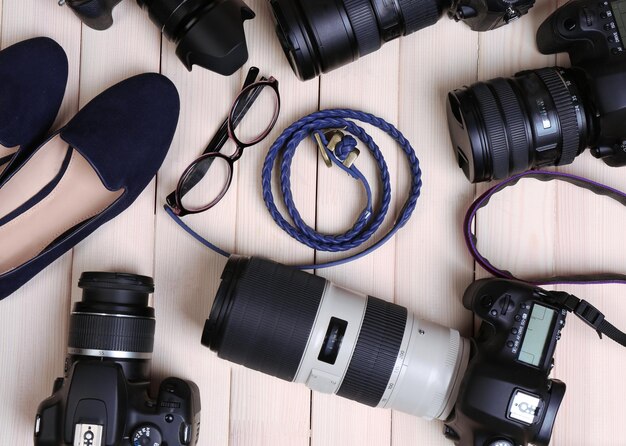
(242, 104)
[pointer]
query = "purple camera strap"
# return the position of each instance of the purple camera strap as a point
(541, 175)
(583, 309)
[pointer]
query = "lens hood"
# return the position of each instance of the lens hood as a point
(212, 36)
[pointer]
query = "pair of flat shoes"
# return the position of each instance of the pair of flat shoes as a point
(56, 190)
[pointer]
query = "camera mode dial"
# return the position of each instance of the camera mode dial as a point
(147, 435)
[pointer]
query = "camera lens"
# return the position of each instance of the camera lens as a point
(208, 33)
(113, 320)
(302, 328)
(321, 35)
(506, 126)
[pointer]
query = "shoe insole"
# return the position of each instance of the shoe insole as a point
(4, 153)
(78, 196)
(41, 169)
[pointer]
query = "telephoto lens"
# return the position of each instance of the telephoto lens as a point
(302, 328)
(506, 126)
(114, 321)
(321, 35)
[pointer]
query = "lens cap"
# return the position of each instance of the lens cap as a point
(117, 281)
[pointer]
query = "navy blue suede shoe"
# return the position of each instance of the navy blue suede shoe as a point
(84, 175)
(33, 76)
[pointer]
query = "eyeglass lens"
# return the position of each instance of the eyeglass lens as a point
(259, 105)
(212, 186)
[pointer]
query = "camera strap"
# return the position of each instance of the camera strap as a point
(584, 310)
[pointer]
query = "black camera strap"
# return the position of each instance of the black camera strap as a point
(584, 310)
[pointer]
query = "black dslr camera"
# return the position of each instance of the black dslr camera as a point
(321, 35)
(550, 116)
(506, 397)
(208, 33)
(103, 399)
(491, 390)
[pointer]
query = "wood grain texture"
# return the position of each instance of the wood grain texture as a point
(536, 229)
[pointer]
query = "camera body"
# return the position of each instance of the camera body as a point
(506, 397)
(208, 33)
(97, 405)
(103, 399)
(592, 34)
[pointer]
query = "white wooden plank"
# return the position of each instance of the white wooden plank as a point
(265, 410)
(34, 319)
(370, 85)
(186, 273)
(432, 267)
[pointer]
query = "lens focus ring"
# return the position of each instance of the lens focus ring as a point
(494, 129)
(418, 14)
(376, 352)
(562, 98)
(515, 122)
(111, 333)
(364, 24)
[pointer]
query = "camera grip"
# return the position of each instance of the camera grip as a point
(96, 14)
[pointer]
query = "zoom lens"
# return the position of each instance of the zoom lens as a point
(114, 321)
(321, 35)
(208, 33)
(506, 126)
(302, 328)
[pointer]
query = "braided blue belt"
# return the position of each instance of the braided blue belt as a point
(370, 219)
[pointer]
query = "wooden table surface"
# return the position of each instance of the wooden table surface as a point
(536, 229)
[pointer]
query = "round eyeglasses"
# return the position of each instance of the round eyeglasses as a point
(252, 117)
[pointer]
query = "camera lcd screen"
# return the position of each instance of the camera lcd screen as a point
(536, 335)
(619, 12)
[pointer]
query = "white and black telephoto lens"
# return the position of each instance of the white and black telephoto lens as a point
(302, 328)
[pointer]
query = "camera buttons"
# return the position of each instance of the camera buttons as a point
(147, 435)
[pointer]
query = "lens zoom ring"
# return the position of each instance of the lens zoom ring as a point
(418, 14)
(494, 129)
(375, 353)
(364, 24)
(122, 334)
(271, 318)
(562, 98)
(515, 124)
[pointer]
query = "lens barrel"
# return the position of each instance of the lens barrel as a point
(302, 328)
(113, 320)
(321, 35)
(506, 126)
